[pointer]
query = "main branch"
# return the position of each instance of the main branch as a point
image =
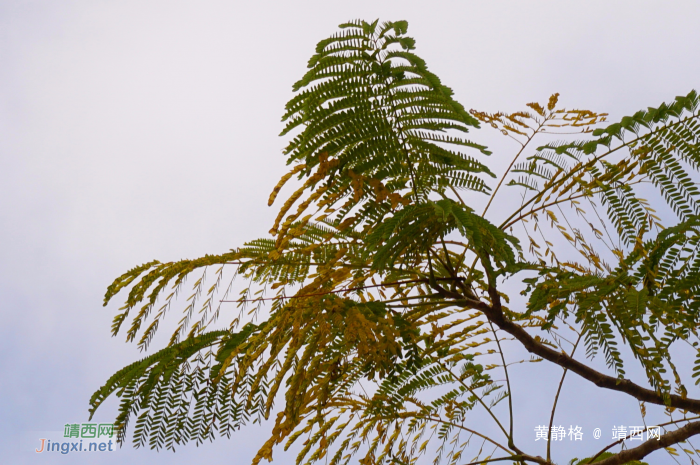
(495, 314)
(668, 439)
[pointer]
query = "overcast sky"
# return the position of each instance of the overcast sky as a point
(134, 130)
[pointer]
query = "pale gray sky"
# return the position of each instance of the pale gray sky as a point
(135, 130)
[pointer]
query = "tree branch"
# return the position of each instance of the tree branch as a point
(495, 313)
(668, 439)
(610, 446)
(556, 399)
(347, 289)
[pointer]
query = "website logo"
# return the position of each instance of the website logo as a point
(91, 437)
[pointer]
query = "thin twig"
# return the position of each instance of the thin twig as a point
(348, 289)
(510, 394)
(556, 399)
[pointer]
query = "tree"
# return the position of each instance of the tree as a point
(380, 306)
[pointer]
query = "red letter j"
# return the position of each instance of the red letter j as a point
(42, 446)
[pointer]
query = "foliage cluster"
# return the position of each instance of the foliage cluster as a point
(378, 312)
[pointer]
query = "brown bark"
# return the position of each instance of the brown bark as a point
(668, 439)
(495, 314)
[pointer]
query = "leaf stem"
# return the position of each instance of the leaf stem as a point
(556, 399)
